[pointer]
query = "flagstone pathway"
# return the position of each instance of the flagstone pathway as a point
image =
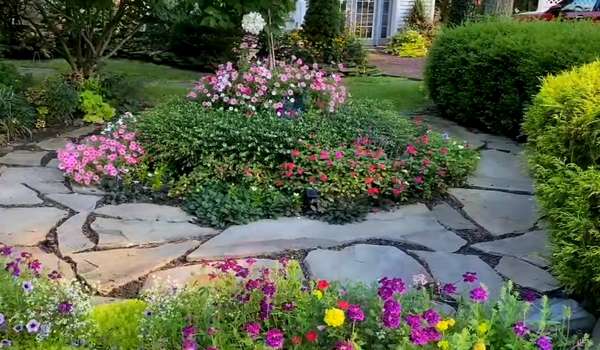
(491, 227)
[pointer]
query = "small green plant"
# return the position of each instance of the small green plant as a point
(17, 117)
(58, 96)
(117, 324)
(95, 109)
(409, 43)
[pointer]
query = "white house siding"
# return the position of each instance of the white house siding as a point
(403, 9)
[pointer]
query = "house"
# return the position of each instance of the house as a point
(373, 21)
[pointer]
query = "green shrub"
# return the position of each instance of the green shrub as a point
(563, 126)
(117, 324)
(409, 43)
(10, 76)
(95, 109)
(484, 74)
(58, 96)
(17, 117)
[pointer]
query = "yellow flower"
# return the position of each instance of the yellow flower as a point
(334, 317)
(483, 328)
(480, 345)
(318, 294)
(451, 322)
(442, 326)
(443, 344)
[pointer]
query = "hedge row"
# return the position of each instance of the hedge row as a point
(484, 74)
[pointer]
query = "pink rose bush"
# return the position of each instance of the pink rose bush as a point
(101, 156)
(286, 89)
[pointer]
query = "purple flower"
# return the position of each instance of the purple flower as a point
(529, 295)
(419, 336)
(253, 329)
(5, 343)
(65, 308)
(470, 277)
(265, 309)
(243, 272)
(414, 321)
(243, 298)
(2, 319)
(18, 328)
(479, 295)
(27, 287)
(13, 268)
(449, 289)
(385, 293)
(252, 284)
(344, 345)
(432, 317)
(54, 275)
(189, 331)
(392, 307)
(355, 313)
(432, 334)
(189, 344)
(544, 343)
(212, 348)
(6, 250)
(275, 339)
(269, 289)
(520, 329)
(211, 331)
(35, 266)
(33, 326)
(390, 321)
(148, 313)
(289, 306)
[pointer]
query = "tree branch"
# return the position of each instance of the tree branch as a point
(126, 39)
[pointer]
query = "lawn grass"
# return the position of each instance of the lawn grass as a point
(405, 95)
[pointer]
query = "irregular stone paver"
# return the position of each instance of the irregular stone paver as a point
(195, 275)
(50, 262)
(410, 224)
(581, 320)
(23, 158)
(475, 140)
(363, 263)
(449, 217)
(15, 194)
(28, 226)
(115, 233)
(53, 163)
(145, 211)
(532, 247)
(596, 333)
(70, 235)
(76, 201)
(526, 274)
(48, 187)
(449, 268)
(501, 170)
(498, 212)
(503, 144)
(53, 144)
(82, 131)
(109, 269)
(87, 189)
(32, 174)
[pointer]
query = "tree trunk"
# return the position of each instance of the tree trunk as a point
(499, 7)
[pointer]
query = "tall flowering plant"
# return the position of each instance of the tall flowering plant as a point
(287, 89)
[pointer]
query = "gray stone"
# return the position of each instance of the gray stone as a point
(145, 211)
(76, 201)
(53, 163)
(363, 263)
(503, 144)
(23, 158)
(526, 274)
(581, 320)
(48, 187)
(475, 140)
(87, 190)
(532, 247)
(501, 170)
(53, 144)
(31, 174)
(443, 308)
(50, 262)
(448, 268)
(498, 212)
(596, 333)
(79, 132)
(28, 226)
(451, 218)
(115, 233)
(195, 275)
(107, 270)
(71, 238)
(16, 194)
(413, 224)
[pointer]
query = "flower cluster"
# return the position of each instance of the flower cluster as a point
(98, 156)
(253, 23)
(287, 89)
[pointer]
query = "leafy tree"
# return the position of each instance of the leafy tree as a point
(323, 21)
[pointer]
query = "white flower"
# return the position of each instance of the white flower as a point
(253, 23)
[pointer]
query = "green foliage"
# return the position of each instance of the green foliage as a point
(10, 76)
(345, 48)
(484, 74)
(563, 126)
(117, 324)
(409, 43)
(95, 109)
(58, 96)
(323, 23)
(123, 92)
(17, 117)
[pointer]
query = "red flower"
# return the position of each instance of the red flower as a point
(312, 336)
(412, 150)
(373, 191)
(343, 304)
(288, 166)
(425, 139)
(379, 154)
(418, 120)
(373, 168)
(324, 155)
(295, 153)
(313, 157)
(323, 178)
(369, 180)
(397, 191)
(426, 162)
(322, 285)
(300, 171)
(296, 340)
(419, 179)
(444, 151)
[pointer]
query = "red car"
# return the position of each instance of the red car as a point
(567, 9)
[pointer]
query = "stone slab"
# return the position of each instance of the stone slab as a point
(363, 263)
(53, 163)
(451, 218)
(79, 132)
(475, 140)
(110, 269)
(145, 211)
(28, 226)
(16, 194)
(195, 275)
(581, 320)
(115, 233)
(71, 238)
(596, 333)
(50, 262)
(501, 171)
(449, 268)
(48, 187)
(413, 224)
(533, 247)
(498, 212)
(87, 189)
(30, 174)
(23, 158)
(526, 274)
(503, 144)
(53, 144)
(76, 201)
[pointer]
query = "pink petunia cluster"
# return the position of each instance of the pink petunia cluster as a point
(284, 89)
(99, 156)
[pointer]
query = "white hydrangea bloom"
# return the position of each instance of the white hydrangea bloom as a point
(253, 23)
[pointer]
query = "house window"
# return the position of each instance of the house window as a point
(364, 18)
(385, 18)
